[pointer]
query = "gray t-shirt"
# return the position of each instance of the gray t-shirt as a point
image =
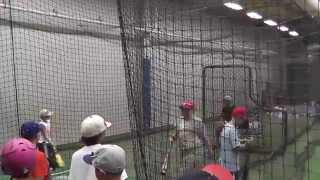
(229, 139)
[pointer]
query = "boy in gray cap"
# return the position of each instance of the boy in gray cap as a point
(109, 162)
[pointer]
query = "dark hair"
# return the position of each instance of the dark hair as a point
(89, 141)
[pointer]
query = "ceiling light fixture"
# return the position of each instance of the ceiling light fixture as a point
(254, 15)
(293, 33)
(233, 5)
(270, 22)
(283, 28)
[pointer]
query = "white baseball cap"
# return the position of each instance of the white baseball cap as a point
(93, 125)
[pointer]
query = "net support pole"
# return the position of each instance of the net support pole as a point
(134, 91)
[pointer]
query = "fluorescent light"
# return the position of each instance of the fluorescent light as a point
(283, 28)
(294, 33)
(270, 22)
(254, 15)
(233, 5)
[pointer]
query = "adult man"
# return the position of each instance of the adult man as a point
(230, 142)
(191, 137)
(93, 129)
(30, 130)
(109, 162)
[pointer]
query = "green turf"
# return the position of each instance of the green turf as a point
(285, 167)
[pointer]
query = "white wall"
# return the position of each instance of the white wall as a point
(71, 67)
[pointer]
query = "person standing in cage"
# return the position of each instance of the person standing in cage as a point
(227, 109)
(45, 143)
(93, 129)
(30, 130)
(192, 138)
(226, 116)
(18, 159)
(231, 144)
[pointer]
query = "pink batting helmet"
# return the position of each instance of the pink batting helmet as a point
(18, 157)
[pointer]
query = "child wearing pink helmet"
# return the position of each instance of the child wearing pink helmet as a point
(18, 159)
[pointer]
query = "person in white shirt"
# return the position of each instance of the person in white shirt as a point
(45, 143)
(93, 129)
(230, 142)
(109, 162)
(45, 120)
(191, 138)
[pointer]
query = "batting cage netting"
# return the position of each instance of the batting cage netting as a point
(167, 74)
(191, 56)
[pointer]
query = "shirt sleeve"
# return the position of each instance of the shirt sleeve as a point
(234, 138)
(42, 166)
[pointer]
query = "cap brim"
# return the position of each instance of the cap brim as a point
(218, 171)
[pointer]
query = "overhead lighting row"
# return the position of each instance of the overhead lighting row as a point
(257, 16)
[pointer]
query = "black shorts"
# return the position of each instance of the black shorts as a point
(48, 150)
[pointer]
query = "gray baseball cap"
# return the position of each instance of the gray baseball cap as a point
(109, 159)
(45, 112)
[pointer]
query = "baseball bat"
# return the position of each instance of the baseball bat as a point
(164, 166)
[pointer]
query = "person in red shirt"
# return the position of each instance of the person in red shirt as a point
(30, 130)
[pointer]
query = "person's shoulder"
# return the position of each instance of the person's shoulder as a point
(229, 127)
(40, 155)
(79, 152)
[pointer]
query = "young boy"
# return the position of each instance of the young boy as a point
(230, 142)
(109, 162)
(208, 172)
(30, 130)
(226, 116)
(191, 137)
(93, 129)
(18, 159)
(45, 143)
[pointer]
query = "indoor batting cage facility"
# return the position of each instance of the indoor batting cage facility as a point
(146, 65)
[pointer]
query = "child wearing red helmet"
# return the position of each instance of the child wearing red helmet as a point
(230, 141)
(191, 137)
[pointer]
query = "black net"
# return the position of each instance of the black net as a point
(181, 50)
(64, 56)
